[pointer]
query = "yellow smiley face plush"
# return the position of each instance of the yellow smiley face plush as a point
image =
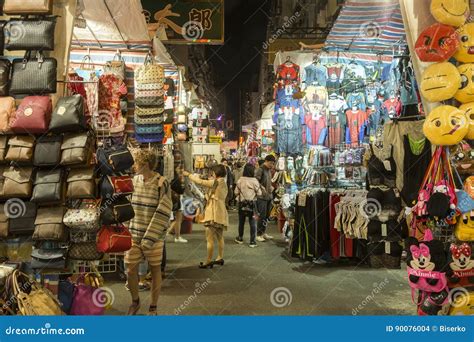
(450, 12)
(465, 93)
(468, 108)
(445, 126)
(465, 53)
(440, 82)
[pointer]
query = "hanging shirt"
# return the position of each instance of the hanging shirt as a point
(356, 100)
(355, 120)
(337, 125)
(288, 73)
(372, 71)
(315, 125)
(334, 71)
(371, 93)
(315, 73)
(354, 70)
(316, 95)
(392, 108)
(336, 104)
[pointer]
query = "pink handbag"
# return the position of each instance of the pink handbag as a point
(33, 115)
(87, 299)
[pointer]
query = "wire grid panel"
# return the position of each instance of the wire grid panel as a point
(107, 265)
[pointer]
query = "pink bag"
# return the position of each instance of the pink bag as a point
(87, 300)
(32, 116)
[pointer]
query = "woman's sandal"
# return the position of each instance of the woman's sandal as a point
(219, 262)
(207, 265)
(152, 311)
(134, 308)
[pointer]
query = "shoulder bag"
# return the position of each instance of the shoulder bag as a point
(34, 76)
(28, 7)
(7, 111)
(30, 34)
(3, 147)
(114, 159)
(22, 221)
(81, 184)
(85, 297)
(116, 211)
(116, 67)
(5, 67)
(83, 219)
(49, 225)
(149, 72)
(114, 239)
(18, 182)
(49, 186)
(77, 149)
(86, 250)
(48, 151)
(33, 115)
(113, 186)
(20, 148)
(68, 116)
(38, 301)
(48, 259)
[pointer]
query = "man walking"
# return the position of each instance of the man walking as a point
(264, 202)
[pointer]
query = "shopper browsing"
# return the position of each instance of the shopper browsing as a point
(151, 201)
(177, 189)
(246, 191)
(264, 201)
(216, 218)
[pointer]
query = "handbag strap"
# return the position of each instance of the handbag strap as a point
(149, 59)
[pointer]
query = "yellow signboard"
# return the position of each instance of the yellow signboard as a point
(215, 139)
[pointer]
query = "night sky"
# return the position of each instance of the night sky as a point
(236, 64)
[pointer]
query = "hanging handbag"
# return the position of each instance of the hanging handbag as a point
(66, 295)
(84, 251)
(5, 66)
(17, 182)
(148, 111)
(48, 151)
(148, 120)
(68, 116)
(114, 239)
(114, 159)
(48, 259)
(30, 34)
(81, 184)
(113, 186)
(149, 138)
(49, 225)
(33, 75)
(3, 148)
(149, 129)
(77, 149)
(85, 301)
(20, 149)
(116, 211)
(7, 111)
(149, 72)
(115, 67)
(31, 298)
(22, 221)
(48, 187)
(83, 219)
(153, 101)
(3, 222)
(25, 7)
(32, 116)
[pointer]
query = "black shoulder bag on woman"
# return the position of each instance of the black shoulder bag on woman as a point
(247, 206)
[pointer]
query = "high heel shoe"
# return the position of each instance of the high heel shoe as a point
(219, 262)
(207, 265)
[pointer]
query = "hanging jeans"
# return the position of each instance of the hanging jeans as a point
(253, 224)
(263, 207)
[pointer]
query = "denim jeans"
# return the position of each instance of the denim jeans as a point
(253, 224)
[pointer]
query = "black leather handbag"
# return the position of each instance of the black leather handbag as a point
(5, 67)
(68, 116)
(48, 151)
(21, 219)
(30, 34)
(114, 159)
(48, 186)
(33, 76)
(2, 35)
(116, 211)
(48, 259)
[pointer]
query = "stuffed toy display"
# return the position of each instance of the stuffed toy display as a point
(465, 53)
(461, 265)
(445, 126)
(468, 108)
(464, 230)
(440, 82)
(450, 12)
(465, 93)
(437, 43)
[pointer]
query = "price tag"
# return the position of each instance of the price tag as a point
(386, 165)
(384, 229)
(387, 247)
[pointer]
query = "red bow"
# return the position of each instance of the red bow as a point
(422, 250)
(463, 249)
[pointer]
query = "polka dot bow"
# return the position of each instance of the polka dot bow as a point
(463, 249)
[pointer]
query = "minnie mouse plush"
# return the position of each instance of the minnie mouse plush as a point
(461, 263)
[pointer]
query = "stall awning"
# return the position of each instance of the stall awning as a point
(367, 26)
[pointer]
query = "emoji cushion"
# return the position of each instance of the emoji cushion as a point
(465, 52)
(450, 12)
(468, 108)
(465, 93)
(437, 43)
(464, 230)
(440, 82)
(445, 126)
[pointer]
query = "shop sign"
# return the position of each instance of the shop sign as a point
(184, 21)
(215, 139)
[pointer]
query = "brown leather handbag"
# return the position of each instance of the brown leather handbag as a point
(81, 184)
(28, 7)
(20, 148)
(7, 111)
(49, 225)
(3, 222)
(3, 147)
(77, 149)
(18, 182)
